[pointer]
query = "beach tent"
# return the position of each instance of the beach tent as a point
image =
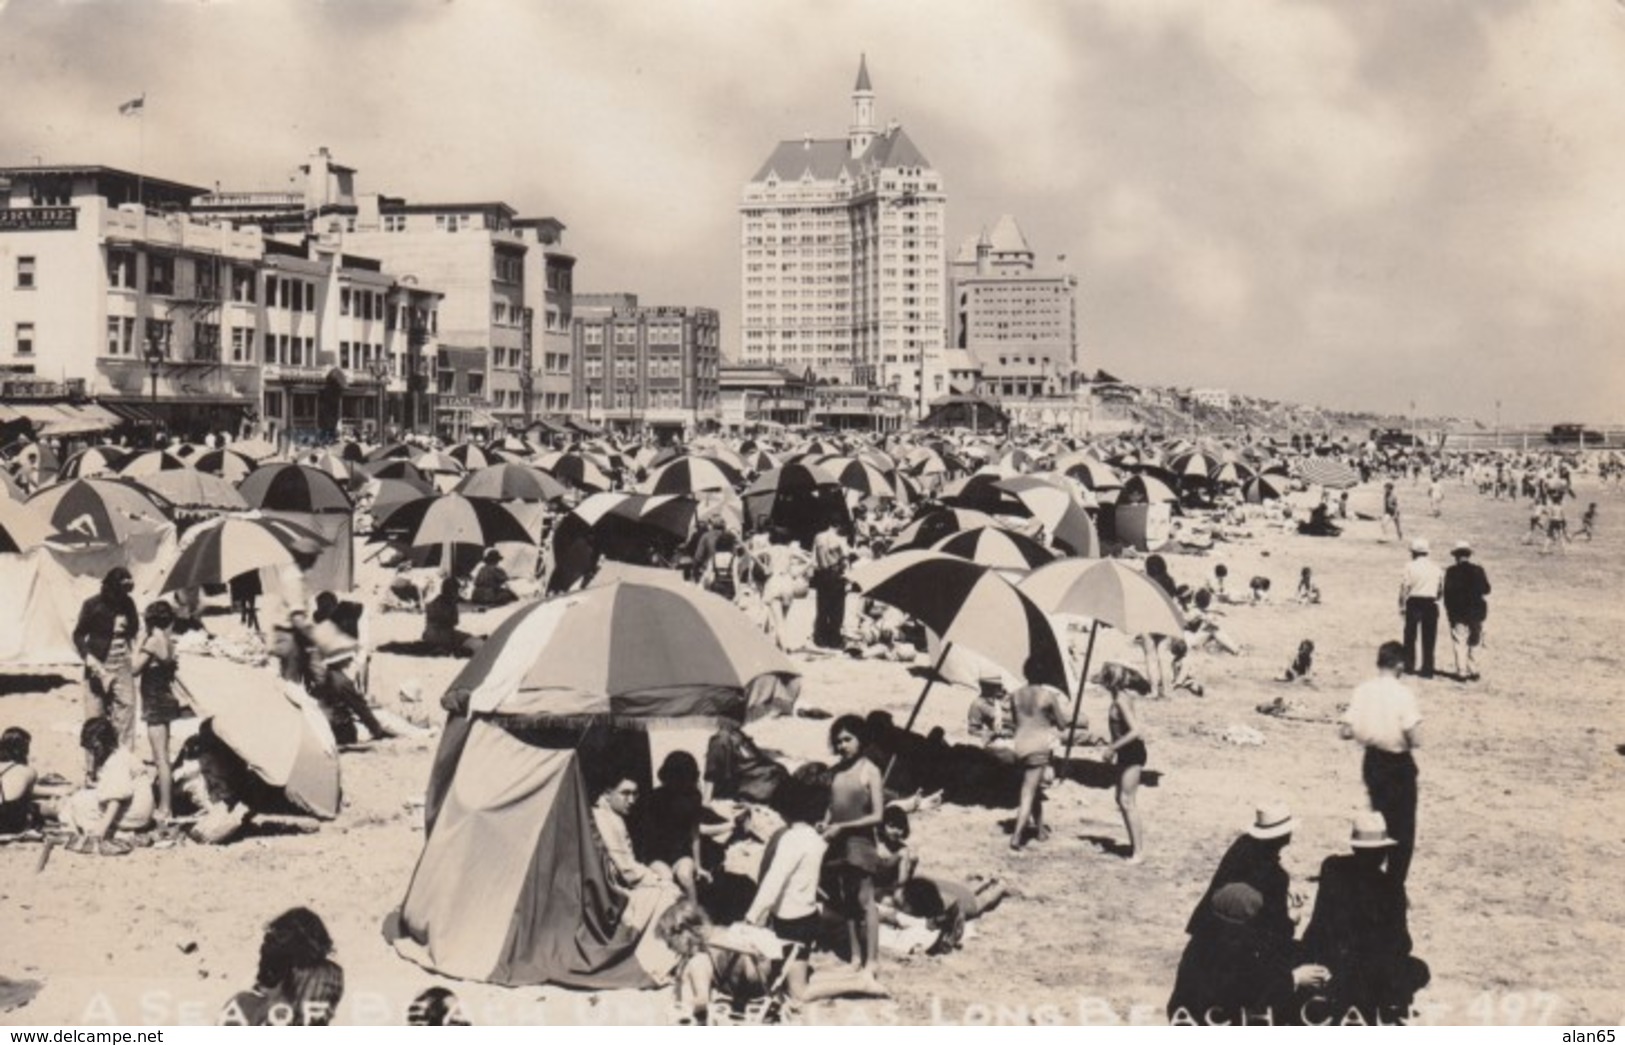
(37, 636)
(514, 886)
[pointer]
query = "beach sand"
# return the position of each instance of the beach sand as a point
(1515, 899)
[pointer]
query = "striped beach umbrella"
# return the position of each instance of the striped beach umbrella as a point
(97, 460)
(99, 511)
(995, 547)
(856, 473)
(934, 524)
(693, 475)
(574, 469)
(190, 488)
(1146, 489)
(511, 482)
(283, 487)
(1328, 472)
(434, 529)
(227, 464)
(635, 652)
(224, 548)
(149, 463)
(390, 494)
(1266, 487)
(1057, 507)
(1089, 470)
(473, 457)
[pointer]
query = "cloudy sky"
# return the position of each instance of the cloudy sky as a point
(1351, 204)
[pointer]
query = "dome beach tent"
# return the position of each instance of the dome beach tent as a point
(513, 885)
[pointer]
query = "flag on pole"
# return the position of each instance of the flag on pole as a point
(133, 107)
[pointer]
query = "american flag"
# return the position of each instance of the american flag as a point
(133, 107)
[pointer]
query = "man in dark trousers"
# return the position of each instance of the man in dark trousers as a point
(1466, 586)
(1385, 718)
(1419, 589)
(1359, 932)
(830, 555)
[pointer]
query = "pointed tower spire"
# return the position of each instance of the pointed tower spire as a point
(862, 131)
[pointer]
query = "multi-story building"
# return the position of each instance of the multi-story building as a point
(1017, 320)
(550, 294)
(196, 325)
(640, 368)
(842, 258)
(108, 286)
(473, 252)
(750, 396)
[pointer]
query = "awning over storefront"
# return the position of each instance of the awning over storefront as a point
(550, 427)
(135, 413)
(59, 419)
(481, 419)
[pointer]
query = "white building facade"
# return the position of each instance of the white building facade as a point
(843, 259)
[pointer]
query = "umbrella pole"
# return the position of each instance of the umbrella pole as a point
(929, 682)
(918, 704)
(1083, 680)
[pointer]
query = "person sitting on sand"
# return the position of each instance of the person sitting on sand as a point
(707, 976)
(119, 799)
(1179, 653)
(1204, 629)
(1308, 591)
(1235, 971)
(295, 944)
(440, 619)
(1303, 664)
(609, 815)
(1359, 931)
(668, 825)
(1259, 589)
(988, 718)
(897, 860)
(1254, 859)
(20, 786)
(491, 582)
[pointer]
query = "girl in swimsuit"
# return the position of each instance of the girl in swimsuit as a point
(1126, 748)
(1038, 714)
(856, 805)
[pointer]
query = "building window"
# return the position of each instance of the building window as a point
(476, 384)
(447, 382)
(206, 341)
(394, 223)
(344, 301)
(160, 275)
(158, 334)
(25, 339)
(121, 269)
(242, 284)
(344, 355)
(242, 344)
(25, 273)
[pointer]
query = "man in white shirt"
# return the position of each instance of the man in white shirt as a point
(1419, 589)
(830, 557)
(1384, 717)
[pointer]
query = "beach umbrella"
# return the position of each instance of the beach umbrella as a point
(227, 464)
(693, 475)
(331, 463)
(21, 527)
(283, 487)
(1092, 472)
(275, 727)
(190, 488)
(1019, 460)
(9, 487)
(228, 547)
(995, 547)
(1328, 472)
(617, 525)
(435, 462)
(99, 511)
(258, 449)
(511, 482)
(1055, 506)
(434, 529)
(970, 605)
(97, 460)
(1261, 488)
(386, 452)
(983, 492)
(1231, 473)
(879, 458)
(506, 445)
(925, 461)
(1145, 489)
(473, 458)
(759, 461)
(150, 463)
(574, 469)
(800, 497)
(718, 450)
(390, 494)
(1193, 466)
(935, 523)
(1107, 592)
(641, 651)
(855, 473)
(393, 468)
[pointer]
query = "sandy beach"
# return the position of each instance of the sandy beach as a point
(1515, 903)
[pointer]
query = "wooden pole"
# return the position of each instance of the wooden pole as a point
(1083, 680)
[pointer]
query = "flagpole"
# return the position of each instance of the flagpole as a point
(141, 150)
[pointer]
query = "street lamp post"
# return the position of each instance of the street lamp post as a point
(155, 362)
(1497, 424)
(380, 373)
